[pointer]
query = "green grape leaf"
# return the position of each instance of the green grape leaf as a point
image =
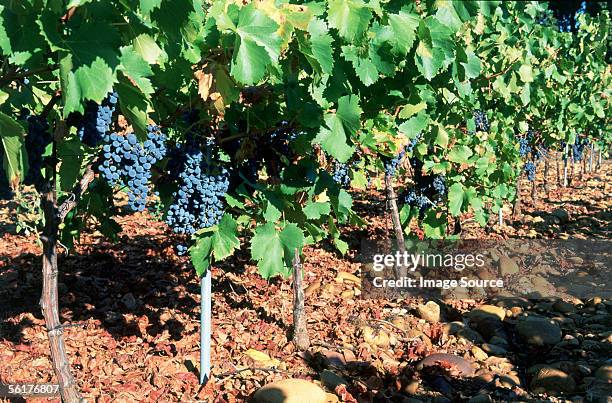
(364, 67)
(315, 210)
(145, 46)
(273, 250)
(257, 43)
(201, 253)
(321, 45)
(146, 6)
(460, 154)
(350, 112)
(435, 50)
(5, 41)
(136, 69)
(224, 239)
(94, 59)
(403, 27)
(409, 110)
(15, 157)
(415, 124)
(335, 133)
(526, 73)
(350, 17)
(434, 226)
(134, 105)
(70, 153)
(455, 199)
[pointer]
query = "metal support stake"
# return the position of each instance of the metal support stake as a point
(205, 326)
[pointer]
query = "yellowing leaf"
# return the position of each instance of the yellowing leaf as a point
(205, 81)
(262, 358)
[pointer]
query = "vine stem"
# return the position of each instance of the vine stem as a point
(300, 332)
(49, 298)
(397, 224)
(516, 210)
(13, 75)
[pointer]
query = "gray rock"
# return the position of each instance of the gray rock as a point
(290, 391)
(604, 373)
(129, 301)
(430, 312)
(470, 335)
(552, 381)
(562, 215)
(331, 379)
(499, 341)
(480, 399)
(564, 307)
(494, 349)
(539, 331)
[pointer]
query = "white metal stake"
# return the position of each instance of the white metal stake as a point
(565, 166)
(500, 217)
(591, 158)
(205, 326)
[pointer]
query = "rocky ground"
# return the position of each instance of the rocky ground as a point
(135, 307)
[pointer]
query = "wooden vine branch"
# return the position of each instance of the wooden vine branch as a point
(504, 71)
(397, 224)
(300, 332)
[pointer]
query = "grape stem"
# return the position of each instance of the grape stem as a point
(13, 75)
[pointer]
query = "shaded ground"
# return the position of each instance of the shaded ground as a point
(135, 307)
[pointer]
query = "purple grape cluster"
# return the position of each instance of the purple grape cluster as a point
(414, 198)
(341, 174)
(96, 121)
(128, 163)
(199, 201)
(481, 120)
(36, 142)
(578, 148)
(530, 170)
(525, 147)
(391, 165)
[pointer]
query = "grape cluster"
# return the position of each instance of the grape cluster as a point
(481, 120)
(427, 189)
(341, 174)
(439, 184)
(414, 198)
(525, 142)
(96, 121)
(524, 147)
(530, 170)
(392, 164)
(578, 148)
(128, 163)
(36, 142)
(199, 201)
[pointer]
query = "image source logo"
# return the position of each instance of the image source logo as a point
(487, 268)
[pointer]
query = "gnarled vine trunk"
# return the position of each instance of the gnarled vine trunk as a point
(300, 331)
(49, 299)
(397, 224)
